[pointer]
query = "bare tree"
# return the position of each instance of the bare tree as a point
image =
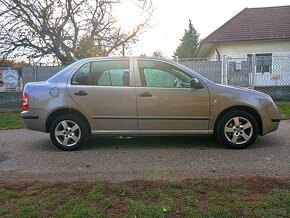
(61, 28)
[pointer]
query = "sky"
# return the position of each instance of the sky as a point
(170, 18)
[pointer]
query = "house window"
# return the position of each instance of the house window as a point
(263, 62)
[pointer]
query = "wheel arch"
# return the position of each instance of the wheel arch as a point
(62, 111)
(250, 110)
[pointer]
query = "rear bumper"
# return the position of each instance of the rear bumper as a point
(270, 118)
(35, 119)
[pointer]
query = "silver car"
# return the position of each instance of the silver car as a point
(143, 96)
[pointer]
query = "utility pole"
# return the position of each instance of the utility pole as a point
(123, 49)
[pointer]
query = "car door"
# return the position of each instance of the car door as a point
(165, 100)
(105, 91)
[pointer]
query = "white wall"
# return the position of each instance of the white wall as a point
(241, 49)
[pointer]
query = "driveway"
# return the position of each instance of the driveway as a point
(29, 155)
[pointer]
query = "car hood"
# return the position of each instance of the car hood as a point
(240, 96)
(244, 90)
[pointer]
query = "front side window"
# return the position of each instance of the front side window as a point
(103, 73)
(159, 74)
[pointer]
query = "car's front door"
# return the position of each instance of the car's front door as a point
(165, 100)
(104, 90)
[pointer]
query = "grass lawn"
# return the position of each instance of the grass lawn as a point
(10, 120)
(256, 197)
(284, 109)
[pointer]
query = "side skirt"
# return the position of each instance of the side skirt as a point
(152, 132)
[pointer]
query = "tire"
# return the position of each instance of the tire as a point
(237, 129)
(69, 132)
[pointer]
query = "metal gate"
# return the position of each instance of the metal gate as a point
(239, 71)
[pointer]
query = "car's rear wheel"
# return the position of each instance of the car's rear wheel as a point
(69, 132)
(237, 129)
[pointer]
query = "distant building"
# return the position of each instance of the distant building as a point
(263, 32)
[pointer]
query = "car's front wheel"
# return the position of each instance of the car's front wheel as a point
(237, 129)
(69, 132)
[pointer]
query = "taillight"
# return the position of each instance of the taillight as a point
(25, 101)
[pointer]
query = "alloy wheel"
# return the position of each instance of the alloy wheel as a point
(67, 133)
(238, 130)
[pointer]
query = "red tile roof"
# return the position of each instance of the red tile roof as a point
(254, 24)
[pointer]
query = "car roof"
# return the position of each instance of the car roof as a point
(122, 57)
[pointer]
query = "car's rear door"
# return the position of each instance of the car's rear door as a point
(105, 91)
(165, 100)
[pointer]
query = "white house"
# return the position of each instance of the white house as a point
(263, 33)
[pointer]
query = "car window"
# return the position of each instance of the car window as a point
(82, 75)
(117, 77)
(103, 73)
(159, 78)
(110, 73)
(159, 74)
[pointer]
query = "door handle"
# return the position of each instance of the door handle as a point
(145, 94)
(81, 93)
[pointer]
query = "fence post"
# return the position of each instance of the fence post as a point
(224, 72)
(36, 73)
(253, 70)
(34, 70)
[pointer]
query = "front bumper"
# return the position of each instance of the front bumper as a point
(270, 118)
(35, 119)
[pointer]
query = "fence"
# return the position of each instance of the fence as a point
(39, 73)
(252, 71)
(276, 73)
(209, 69)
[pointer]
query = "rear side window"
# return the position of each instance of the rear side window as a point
(82, 76)
(103, 73)
(119, 77)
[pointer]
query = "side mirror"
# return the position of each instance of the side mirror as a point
(195, 84)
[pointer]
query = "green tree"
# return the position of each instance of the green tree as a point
(158, 54)
(189, 43)
(87, 48)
